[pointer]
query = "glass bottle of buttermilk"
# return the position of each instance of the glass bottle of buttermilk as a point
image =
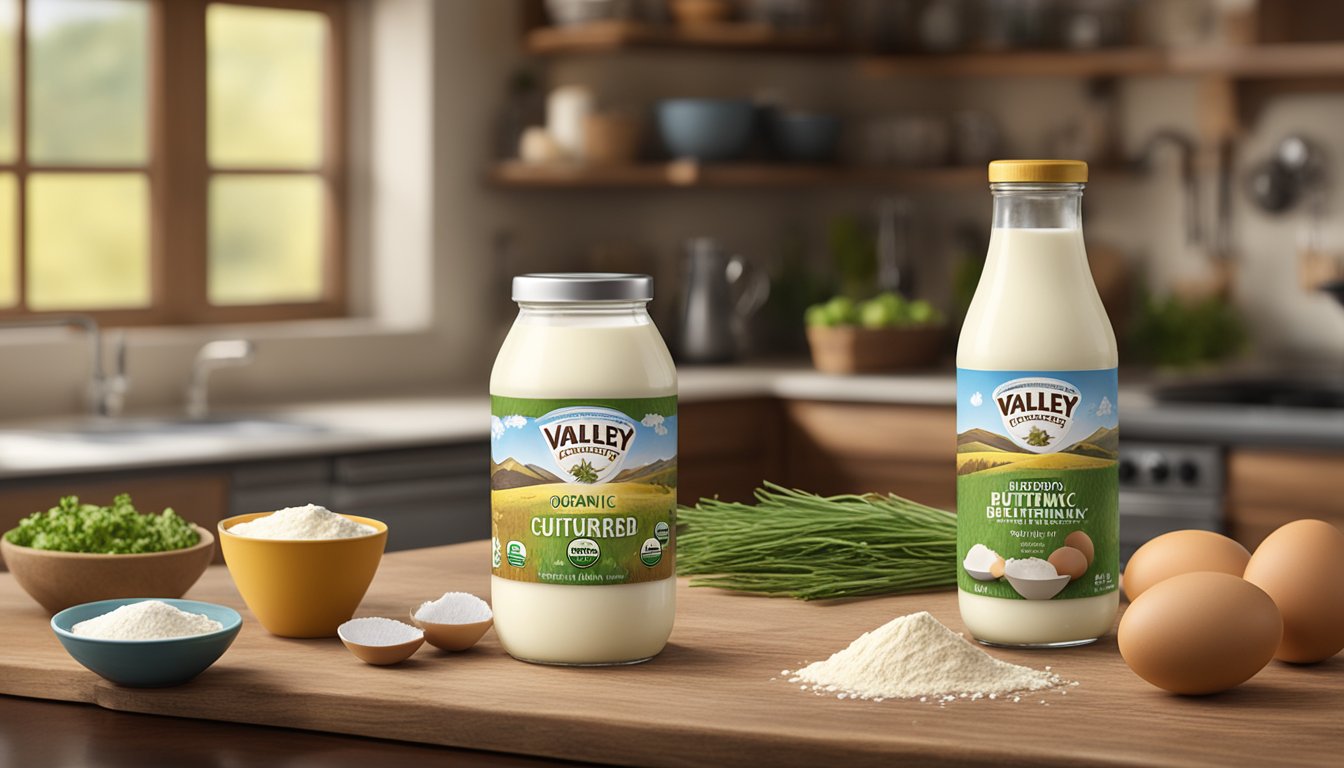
(583, 473)
(1037, 440)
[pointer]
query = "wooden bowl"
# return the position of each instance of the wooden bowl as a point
(700, 13)
(848, 349)
(59, 580)
(611, 138)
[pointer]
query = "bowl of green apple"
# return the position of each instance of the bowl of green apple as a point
(882, 334)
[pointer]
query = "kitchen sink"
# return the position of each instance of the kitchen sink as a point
(1273, 393)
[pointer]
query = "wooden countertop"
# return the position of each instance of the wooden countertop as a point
(714, 696)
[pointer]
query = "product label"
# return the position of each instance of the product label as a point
(1037, 484)
(583, 491)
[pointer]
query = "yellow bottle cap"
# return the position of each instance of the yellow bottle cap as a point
(1056, 171)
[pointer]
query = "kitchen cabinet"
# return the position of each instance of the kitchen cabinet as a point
(1267, 488)
(199, 495)
(835, 448)
(728, 447)
(427, 496)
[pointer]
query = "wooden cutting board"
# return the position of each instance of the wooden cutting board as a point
(716, 695)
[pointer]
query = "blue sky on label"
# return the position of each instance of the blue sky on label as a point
(976, 408)
(519, 438)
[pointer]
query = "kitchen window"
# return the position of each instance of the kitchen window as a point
(172, 161)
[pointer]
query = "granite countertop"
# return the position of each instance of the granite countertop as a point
(73, 445)
(1141, 416)
(76, 445)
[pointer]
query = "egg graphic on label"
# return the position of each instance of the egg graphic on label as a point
(1069, 562)
(1083, 543)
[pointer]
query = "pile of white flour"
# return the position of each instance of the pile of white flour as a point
(302, 524)
(146, 620)
(915, 656)
(454, 608)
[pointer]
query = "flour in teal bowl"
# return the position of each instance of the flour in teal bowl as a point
(146, 620)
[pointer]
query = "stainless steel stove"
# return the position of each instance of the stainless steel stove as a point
(1168, 487)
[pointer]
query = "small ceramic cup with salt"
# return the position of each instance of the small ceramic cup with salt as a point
(454, 622)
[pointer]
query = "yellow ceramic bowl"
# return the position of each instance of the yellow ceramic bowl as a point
(302, 588)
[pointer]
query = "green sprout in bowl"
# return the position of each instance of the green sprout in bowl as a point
(118, 529)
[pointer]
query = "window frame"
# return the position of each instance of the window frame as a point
(179, 173)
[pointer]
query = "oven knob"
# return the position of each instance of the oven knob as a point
(1188, 472)
(1128, 471)
(1159, 471)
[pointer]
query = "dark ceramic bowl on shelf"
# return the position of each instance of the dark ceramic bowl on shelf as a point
(707, 130)
(805, 137)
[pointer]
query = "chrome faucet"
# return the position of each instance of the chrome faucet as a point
(105, 395)
(1185, 144)
(223, 353)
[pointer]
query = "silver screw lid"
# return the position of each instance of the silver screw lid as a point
(582, 286)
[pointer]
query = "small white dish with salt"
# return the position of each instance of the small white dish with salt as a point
(380, 641)
(454, 622)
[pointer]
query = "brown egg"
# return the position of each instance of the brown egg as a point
(1199, 633)
(1180, 552)
(1069, 562)
(1301, 566)
(1083, 543)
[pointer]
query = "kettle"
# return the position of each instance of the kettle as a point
(720, 293)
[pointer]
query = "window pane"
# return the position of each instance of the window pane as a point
(88, 241)
(9, 214)
(265, 86)
(9, 10)
(265, 239)
(87, 81)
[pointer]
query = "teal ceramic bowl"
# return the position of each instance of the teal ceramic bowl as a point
(147, 663)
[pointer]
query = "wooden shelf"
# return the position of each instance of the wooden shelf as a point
(1253, 62)
(1256, 62)
(690, 175)
(1112, 62)
(1249, 62)
(615, 36)
(1261, 62)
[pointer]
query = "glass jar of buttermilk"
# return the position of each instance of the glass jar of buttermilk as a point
(1037, 425)
(583, 473)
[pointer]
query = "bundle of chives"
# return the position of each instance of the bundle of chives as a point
(817, 548)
